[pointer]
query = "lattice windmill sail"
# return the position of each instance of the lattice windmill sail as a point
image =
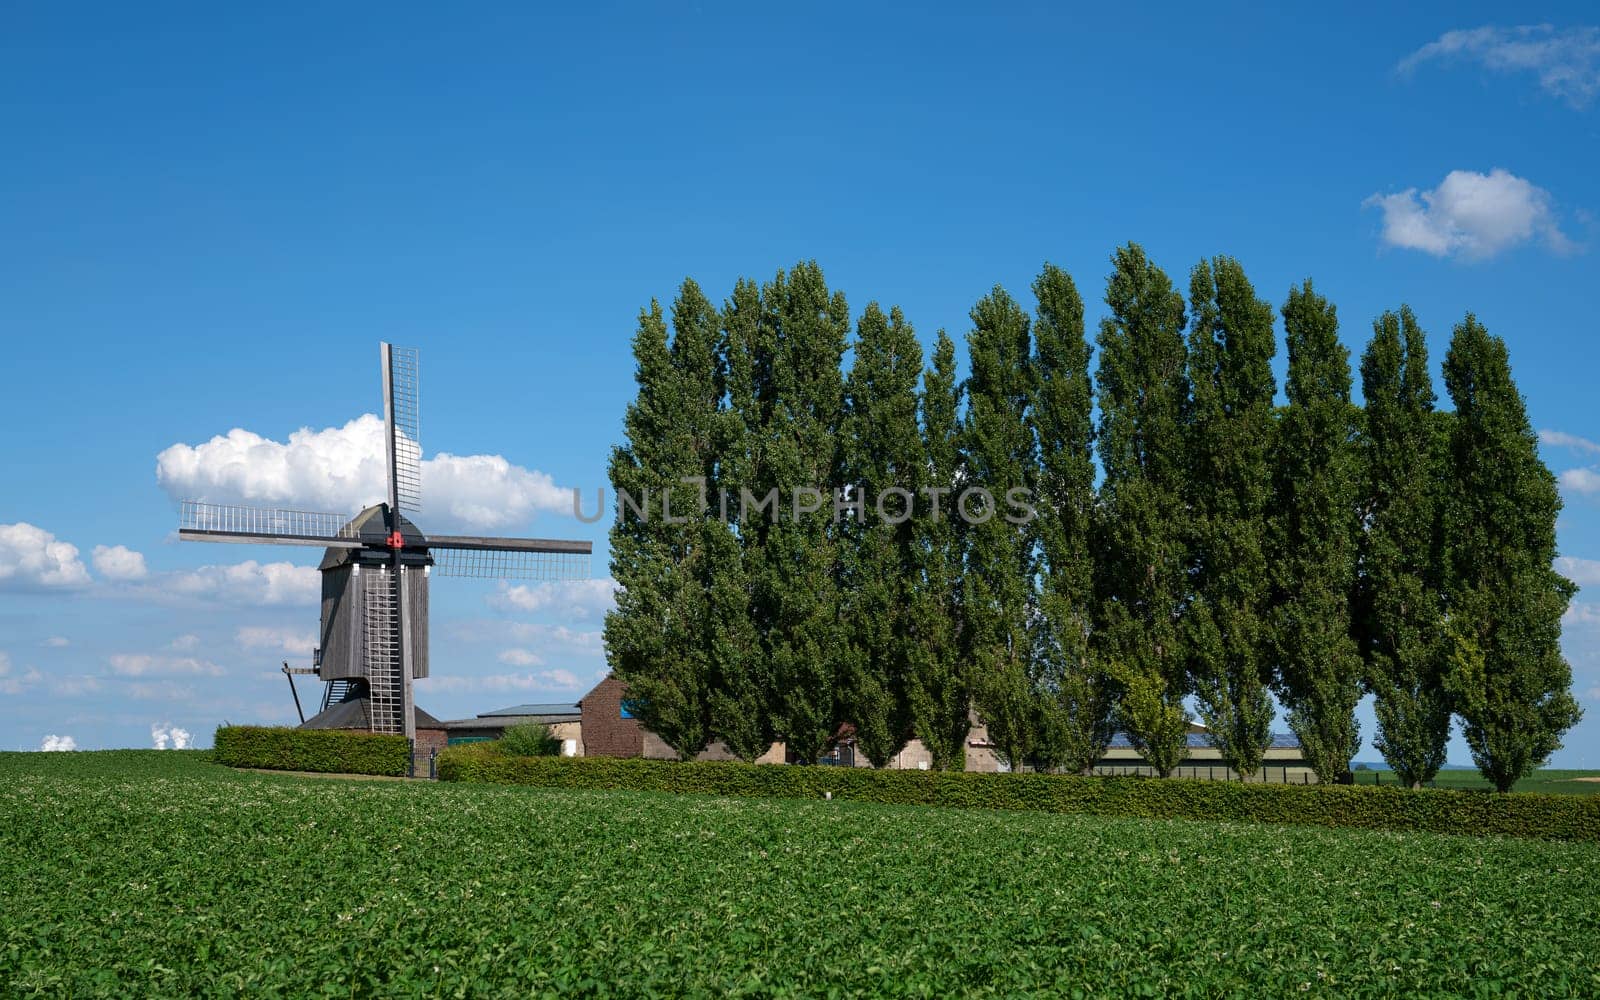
(374, 629)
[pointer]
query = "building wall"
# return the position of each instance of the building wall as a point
(429, 742)
(605, 732)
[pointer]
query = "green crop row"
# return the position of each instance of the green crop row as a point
(1550, 817)
(323, 750)
(160, 875)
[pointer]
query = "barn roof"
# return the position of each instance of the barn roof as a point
(516, 715)
(1200, 740)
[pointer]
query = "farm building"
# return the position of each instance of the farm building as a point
(610, 730)
(564, 722)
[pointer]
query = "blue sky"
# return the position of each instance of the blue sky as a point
(209, 218)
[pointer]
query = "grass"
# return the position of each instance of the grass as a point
(160, 874)
(1550, 780)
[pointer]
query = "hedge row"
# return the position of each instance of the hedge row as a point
(334, 751)
(1549, 817)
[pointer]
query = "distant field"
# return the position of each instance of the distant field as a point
(1557, 781)
(149, 873)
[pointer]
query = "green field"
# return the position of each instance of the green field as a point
(148, 873)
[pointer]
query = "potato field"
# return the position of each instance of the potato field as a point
(148, 873)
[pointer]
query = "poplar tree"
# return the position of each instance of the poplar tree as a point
(1400, 614)
(1510, 683)
(940, 681)
(999, 455)
(1142, 389)
(1316, 531)
(659, 638)
(1076, 696)
(884, 470)
(797, 584)
(741, 696)
(1231, 345)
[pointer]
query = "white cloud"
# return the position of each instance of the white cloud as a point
(249, 583)
(558, 635)
(32, 557)
(119, 563)
(58, 642)
(1584, 481)
(1566, 60)
(1582, 613)
(1583, 572)
(543, 680)
(166, 734)
(73, 687)
(573, 600)
(521, 658)
(284, 639)
(341, 469)
(1471, 214)
(147, 665)
(54, 743)
(1561, 439)
(186, 643)
(12, 684)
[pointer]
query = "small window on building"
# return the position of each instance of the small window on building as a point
(626, 710)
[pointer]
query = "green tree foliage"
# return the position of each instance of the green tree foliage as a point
(741, 702)
(1076, 696)
(940, 682)
(658, 638)
(796, 583)
(1143, 390)
(1316, 530)
(1231, 345)
(884, 466)
(1510, 683)
(1400, 614)
(997, 588)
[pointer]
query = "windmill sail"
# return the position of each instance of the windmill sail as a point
(402, 417)
(199, 521)
(509, 558)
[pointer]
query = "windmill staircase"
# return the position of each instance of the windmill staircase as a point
(385, 686)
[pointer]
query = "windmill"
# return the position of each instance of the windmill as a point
(374, 623)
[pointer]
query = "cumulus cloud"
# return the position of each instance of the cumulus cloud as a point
(1582, 481)
(118, 563)
(12, 683)
(249, 583)
(282, 639)
(166, 735)
(58, 642)
(1566, 60)
(1472, 215)
(1583, 572)
(573, 600)
(1582, 613)
(521, 658)
(55, 743)
(31, 557)
(543, 680)
(342, 469)
(1561, 439)
(73, 687)
(148, 665)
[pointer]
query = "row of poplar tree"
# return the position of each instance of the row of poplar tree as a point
(1194, 540)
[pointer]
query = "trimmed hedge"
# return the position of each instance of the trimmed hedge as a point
(331, 751)
(1547, 817)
